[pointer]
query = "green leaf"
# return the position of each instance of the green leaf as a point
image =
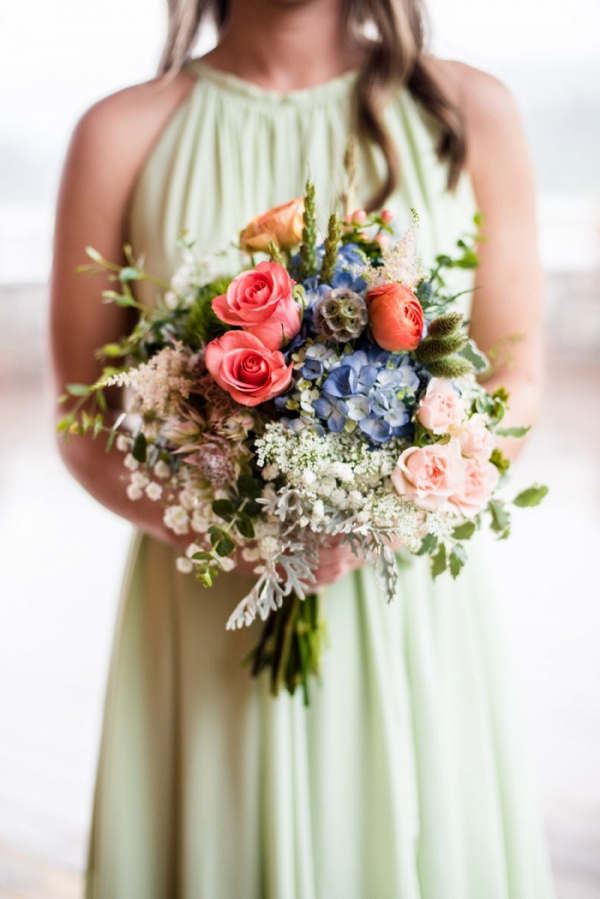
(465, 530)
(428, 545)
(205, 577)
(501, 394)
(244, 525)
(439, 561)
(470, 259)
(500, 518)
(500, 461)
(201, 557)
(473, 354)
(138, 450)
(98, 425)
(112, 350)
(458, 557)
(124, 300)
(225, 546)
(517, 433)
(252, 508)
(216, 533)
(78, 389)
(224, 508)
(65, 423)
(130, 274)
(248, 487)
(532, 496)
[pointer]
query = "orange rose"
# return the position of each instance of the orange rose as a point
(282, 225)
(396, 317)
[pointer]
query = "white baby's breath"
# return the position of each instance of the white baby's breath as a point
(131, 463)
(154, 491)
(176, 519)
(162, 470)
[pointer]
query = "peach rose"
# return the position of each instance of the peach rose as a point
(260, 301)
(282, 225)
(477, 487)
(442, 408)
(429, 475)
(475, 438)
(396, 317)
(248, 370)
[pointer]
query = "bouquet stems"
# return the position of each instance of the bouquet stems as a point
(290, 645)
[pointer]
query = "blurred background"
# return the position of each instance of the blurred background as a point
(62, 555)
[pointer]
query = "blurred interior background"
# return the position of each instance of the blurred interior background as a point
(62, 555)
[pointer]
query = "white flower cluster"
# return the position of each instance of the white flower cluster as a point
(193, 273)
(331, 496)
(160, 384)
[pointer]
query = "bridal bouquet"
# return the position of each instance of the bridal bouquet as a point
(325, 393)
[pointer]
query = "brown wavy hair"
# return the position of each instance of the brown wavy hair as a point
(395, 59)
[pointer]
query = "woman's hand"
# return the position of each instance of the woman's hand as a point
(336, 560)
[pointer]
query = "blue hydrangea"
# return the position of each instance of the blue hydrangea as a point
(369, 387)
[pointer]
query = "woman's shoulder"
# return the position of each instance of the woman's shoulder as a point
(476, 92)
(494, 131)
(118, 132)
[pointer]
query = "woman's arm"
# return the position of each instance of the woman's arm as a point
(106, 154)
(507, 301)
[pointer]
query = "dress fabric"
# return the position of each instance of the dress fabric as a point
(404, 779)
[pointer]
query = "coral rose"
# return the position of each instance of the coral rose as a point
(441, 408)
(248, 370)
(477, 487)
(260, 301)
(396, 317)
(283, 225)
(429, 475)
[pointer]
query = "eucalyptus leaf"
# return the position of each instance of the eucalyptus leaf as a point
(225, 546)
(252, 508)
(201, 556)
(224, 508)
(247, 486)
(244, 525)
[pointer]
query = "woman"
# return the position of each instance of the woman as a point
(401, 781)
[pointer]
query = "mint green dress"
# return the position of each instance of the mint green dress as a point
(403, 779)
